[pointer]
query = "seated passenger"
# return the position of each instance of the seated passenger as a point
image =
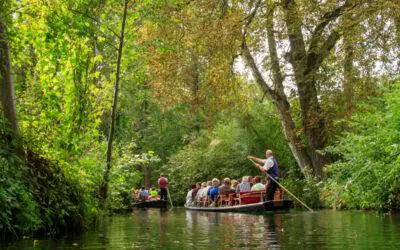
(143, 194)
(189, 200)
(205, 193)
(258, 186)
(234, 184)
(225, 188)
(202, 193)
(135, 193)
(153, 194)
(251, 181)
(213, 192)
(194, 193)
(244, 185)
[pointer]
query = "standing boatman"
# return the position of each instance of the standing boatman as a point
(270, 166)
(163, 184)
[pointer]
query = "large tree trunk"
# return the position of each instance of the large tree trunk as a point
(7, 83)
(305, 66)
(313, 124)
(283, 108)
(289, 128)
(277, 95)
(104, 184)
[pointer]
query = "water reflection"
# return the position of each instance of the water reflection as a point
(235, 230)
(180, 229)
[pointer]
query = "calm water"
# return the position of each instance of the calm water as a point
(180, 229)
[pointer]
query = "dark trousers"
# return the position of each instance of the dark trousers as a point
(163, 194)
(272, 186)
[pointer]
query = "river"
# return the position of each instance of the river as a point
(181, 229)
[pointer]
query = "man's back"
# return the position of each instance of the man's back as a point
(163, 182)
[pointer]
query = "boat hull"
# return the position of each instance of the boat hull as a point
(250, 208)
(151, 204)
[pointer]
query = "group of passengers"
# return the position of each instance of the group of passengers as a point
(144, 194)
(206, 193)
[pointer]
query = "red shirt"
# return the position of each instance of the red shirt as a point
(163, 182)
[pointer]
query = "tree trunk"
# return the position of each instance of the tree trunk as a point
(283, 107)
(7, 84)
(348, 75)
(396, 18)
(104, 184)
(305, 67)
(147, 175)
(195, 89)
(313, 124)
(289, 128)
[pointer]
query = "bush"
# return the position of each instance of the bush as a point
(366, 176)
(18, 207)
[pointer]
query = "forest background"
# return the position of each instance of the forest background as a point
(99, 97)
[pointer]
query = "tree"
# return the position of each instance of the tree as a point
(104, 183)
(7, 83)
(309, 33)
(277, 95)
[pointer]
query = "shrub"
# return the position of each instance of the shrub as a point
(366, 176)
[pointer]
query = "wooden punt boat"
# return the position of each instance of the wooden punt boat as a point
(150, 204)
(275, 205)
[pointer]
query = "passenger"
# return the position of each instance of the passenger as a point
(251, 181)
(194, 193)
(225, 188)
(244, 185)
(213, 192)
(234, 184)
(206, 199)
(201, 194)
(153, 193)
(195, 190)
(189, 200)
(143, 194)
(209, 185)
(258, 186)
(135, 193)
(265, 183)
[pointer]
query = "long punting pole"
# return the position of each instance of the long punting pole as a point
(294, 196)
(169, 196)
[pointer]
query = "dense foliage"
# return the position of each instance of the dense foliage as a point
(222, 152)
(202, 84)
(367, 172)
(38, 194)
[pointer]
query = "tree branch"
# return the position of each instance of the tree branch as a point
(326, 19)
(250, 18)
(94, 19)
(256, 72)
(314, 60)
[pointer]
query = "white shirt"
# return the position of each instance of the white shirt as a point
(268, 163)
(188, 198)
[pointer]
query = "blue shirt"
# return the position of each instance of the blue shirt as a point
(213, 192)
(143, 193)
